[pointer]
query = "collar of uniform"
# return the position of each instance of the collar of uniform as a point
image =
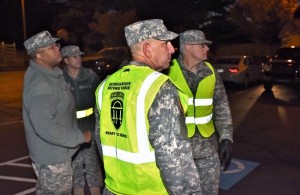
(55, 72)
(138, 64)
(202, 69)
(80, 75)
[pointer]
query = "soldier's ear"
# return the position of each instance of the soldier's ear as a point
(188, 48)
(146, 50)
(38, 55)
(65, 60)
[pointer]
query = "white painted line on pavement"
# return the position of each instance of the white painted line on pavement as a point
(240, 167)
(17, 179)
(10, 123)
(26, 191)
(19, 165)
(13, 163)
(14, 160)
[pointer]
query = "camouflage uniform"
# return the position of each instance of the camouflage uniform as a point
(172, 151)
(51, 130)
(53, 179)
(86, 162)
(205, 150)
(86, 165)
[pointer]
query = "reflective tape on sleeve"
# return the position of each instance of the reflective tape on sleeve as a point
(84, 113)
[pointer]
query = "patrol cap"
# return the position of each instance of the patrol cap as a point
(148, 29)
(70, 50)
(193, 36)
(40, 40)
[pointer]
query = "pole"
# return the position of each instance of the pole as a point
(24, 19)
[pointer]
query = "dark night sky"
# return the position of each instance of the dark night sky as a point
(38, 18)
(10, 21)
(39, 14)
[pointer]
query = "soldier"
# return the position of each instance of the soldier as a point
(83, 82)
(141, 123)
(208, 118)
(49, 117)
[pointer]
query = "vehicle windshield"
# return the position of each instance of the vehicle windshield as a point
(288, 53)
(105, 52)
(113, 53)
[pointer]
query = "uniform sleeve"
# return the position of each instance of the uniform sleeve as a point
(97, 131)
(42, 110)
(173, 153)
(221, 112)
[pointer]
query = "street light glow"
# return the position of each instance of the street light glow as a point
(23, 17)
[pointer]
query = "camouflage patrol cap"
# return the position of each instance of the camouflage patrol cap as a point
(148, 29)
(40, 40)
(70, 50)
(193, 36)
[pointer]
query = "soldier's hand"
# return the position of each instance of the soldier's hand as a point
(225, 154)
(87, 136)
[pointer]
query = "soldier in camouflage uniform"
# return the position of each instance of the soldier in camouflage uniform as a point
(161, 121)
(83, 82)
(51, 130)
(209, 122)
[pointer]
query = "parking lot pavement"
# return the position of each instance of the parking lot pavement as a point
(16, 173)
(20, 63)
(17, 177)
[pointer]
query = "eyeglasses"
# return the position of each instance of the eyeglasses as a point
(203, 45)
(50, 47)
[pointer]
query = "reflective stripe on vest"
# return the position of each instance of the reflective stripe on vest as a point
(84, 113)
(199, 120)
(144, 155)
(99, 102)
(200, 107)
(201, 102)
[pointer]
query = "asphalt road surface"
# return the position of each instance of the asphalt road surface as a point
(266, 141)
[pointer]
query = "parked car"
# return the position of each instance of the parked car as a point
(283, 67)
(241, 70)
(107, 60)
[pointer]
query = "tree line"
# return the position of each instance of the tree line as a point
(94, 24)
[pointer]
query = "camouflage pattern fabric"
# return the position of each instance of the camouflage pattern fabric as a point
(53, 179)
(164, 136)
(206, 148)
(107, 192)
(210, 167)
(40, 40)
(87, 155)
(193, 36)
(70, 50)
(148, 29)
(97, 131)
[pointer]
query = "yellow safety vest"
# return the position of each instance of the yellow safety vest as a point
(200, 108)
(124, 100)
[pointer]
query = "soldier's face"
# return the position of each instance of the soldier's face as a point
(73, 61)
(161, 54)
(198, 51)
(50, 55)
